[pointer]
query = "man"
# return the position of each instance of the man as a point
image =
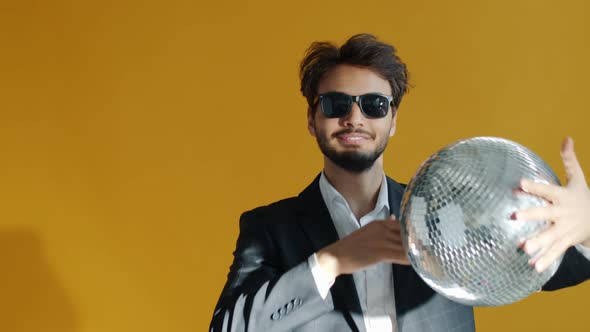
(332, 258)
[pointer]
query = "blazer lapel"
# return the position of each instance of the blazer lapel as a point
(395, 192)
(409, 290)
(319, 228)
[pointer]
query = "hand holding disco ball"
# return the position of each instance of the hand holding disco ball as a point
(570, 211)
(458, 226)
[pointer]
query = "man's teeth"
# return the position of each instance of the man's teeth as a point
(354, 138)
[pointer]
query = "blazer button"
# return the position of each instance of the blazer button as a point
(290, 306)
(282, 311)
(298, 302)
(275, 316)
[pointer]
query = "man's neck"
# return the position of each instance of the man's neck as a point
(360, 190)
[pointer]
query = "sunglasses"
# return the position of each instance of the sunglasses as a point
(338, 104)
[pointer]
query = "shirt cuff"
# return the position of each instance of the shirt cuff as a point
(583, 250)
(322, 282)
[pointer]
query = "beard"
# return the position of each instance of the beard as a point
(352, 161)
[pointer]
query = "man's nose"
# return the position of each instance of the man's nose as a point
(355, 118)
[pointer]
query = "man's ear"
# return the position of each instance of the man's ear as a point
(311, 122)
(393, 123)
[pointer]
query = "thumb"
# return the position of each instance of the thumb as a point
(573, 170)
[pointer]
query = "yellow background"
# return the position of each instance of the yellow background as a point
(134, 133)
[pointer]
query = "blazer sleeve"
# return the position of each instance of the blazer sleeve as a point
(574, 269)
(261, 296)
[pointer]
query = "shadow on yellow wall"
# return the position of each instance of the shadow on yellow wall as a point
(32, 298)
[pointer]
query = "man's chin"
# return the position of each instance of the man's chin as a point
(353, 162)
(354, 158)
(354, 166)
(354, 149)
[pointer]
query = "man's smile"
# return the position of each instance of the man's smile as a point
(354, 137)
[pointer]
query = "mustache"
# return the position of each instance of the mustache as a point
(351, 131)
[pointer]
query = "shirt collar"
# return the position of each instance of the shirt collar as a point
(332, 196)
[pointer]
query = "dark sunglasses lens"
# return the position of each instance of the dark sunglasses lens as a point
(335, 105)
(375, 106)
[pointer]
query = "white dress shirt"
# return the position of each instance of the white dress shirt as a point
(374, 285)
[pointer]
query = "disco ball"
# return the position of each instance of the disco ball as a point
(457, 227)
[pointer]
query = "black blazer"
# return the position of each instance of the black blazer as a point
(270, 286)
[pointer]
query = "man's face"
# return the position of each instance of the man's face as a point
(353, 142)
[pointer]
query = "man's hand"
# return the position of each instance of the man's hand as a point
(379, 241)
(568, 212)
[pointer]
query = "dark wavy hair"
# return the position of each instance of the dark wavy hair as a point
(360, 50)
